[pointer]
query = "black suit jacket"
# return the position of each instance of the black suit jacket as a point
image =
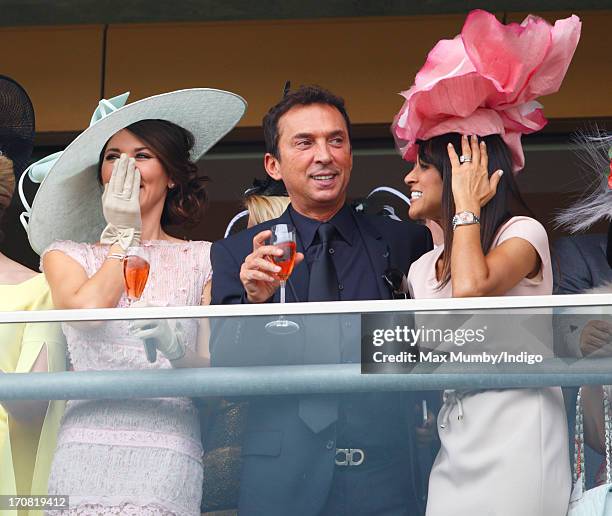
(579, 263)
(287, 468)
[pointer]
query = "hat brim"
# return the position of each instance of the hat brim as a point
(17, 122)
(67, 205)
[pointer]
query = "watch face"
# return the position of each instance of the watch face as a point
(465, 217)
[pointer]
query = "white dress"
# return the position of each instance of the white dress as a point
(135, 456)
(503, 452)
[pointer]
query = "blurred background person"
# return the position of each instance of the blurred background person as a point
(586, 267)
(580, 263)
(266, 199)
(28, 429)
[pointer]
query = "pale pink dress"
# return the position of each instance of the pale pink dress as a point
(139, 456)
(503, 452)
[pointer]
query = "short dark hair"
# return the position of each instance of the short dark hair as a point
(506, 203)
(171, 144)
(303, 96)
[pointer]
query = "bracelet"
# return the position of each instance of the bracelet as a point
(116, 256)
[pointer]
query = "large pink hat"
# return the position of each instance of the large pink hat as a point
(485, 81)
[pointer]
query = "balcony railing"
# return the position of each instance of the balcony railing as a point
(315, 378)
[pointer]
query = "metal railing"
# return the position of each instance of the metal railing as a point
(334, 307)
(279, 380)
(299, 379)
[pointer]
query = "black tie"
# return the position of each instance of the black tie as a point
(323, 285)
(322, 331)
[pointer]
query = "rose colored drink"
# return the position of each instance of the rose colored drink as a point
(135, 273)
(283, 237)
(286, 261)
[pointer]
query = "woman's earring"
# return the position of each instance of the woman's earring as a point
(171, 185)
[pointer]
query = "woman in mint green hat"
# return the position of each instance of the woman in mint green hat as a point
(131, 456)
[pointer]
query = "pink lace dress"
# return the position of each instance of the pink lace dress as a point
(139, 456)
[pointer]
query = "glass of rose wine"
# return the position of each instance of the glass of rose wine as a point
(135, 274)
(283, 237)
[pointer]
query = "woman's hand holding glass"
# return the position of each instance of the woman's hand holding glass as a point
(121, 205)
(471, 184)
(136, 268)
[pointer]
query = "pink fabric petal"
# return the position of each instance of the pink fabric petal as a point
(487, 120)
(526, 118)
(547, 79)
(505, 54)
(456, 96)
(446, 59)
(513, 141)
(485, 81)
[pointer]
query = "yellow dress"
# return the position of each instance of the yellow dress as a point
(26, 450)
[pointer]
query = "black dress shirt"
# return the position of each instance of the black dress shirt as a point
(367, 419)
(356, 280)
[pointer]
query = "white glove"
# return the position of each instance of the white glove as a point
(157, 332)
(121, 205)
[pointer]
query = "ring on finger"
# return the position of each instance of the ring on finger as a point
(465, 158)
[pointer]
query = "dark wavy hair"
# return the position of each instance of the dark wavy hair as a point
(171, 144)
(506, 203)
(303, 96)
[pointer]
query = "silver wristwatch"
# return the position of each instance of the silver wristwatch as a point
(465, 218)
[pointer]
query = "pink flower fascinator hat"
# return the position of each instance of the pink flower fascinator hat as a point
(485, 81)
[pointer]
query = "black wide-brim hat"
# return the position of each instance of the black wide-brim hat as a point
(17, 124)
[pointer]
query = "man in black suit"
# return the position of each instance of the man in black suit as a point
(294, 453)
(579, 265)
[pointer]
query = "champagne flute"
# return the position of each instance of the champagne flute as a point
(135, 274)
(283, 237)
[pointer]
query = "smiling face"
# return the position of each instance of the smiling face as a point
(425, 183)
(154, 181)
(315, 159)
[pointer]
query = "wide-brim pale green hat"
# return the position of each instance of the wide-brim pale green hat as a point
(68, 206)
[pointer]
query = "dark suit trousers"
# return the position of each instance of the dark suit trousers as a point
(380, 491)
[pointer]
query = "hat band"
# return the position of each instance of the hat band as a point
(40, 169)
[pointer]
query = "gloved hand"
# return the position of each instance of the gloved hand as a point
(157, 332)
(121, 205)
